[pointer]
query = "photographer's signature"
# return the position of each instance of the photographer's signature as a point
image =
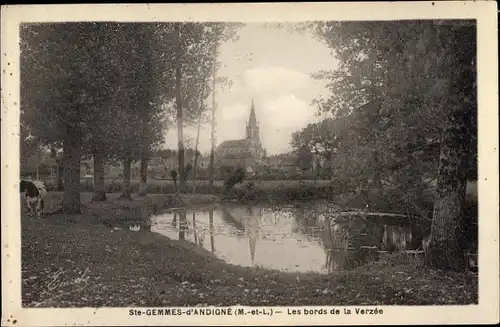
(57, 279)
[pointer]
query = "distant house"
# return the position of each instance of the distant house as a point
(111, 170)
(157, 163)
(86, 167)
(247, 152)
(160, 167)
(203, 162)
(250, 171)
(157, 167)
(39, 164)
(172, 163)
(46, 166)
(284, 162)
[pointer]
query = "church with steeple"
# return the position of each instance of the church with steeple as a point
(247, 152)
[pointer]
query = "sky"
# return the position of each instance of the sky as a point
(272, 66)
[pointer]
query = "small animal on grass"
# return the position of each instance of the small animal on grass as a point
(35, 192)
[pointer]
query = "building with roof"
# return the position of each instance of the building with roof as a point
(247, 152)
(283, 162)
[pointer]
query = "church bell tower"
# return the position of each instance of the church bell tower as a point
(253, 127)
(253, 133)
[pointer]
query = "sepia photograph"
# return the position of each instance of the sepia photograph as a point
(216, 170)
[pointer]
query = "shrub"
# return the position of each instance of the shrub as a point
(236, 177)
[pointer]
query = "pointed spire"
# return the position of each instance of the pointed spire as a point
(252, 230)
(253, 242)
(252, 121)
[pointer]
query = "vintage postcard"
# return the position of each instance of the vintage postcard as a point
(250, 164)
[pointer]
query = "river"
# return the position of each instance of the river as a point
(295, 239)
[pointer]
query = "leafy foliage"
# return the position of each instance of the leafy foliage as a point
(390, 96)
(407, 91)
(110, 86)
(320, 138)
(236, 177)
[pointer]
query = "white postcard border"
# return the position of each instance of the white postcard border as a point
(484, 11)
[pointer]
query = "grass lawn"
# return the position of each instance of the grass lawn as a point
(75, 261)
(202, 186)
(274, 191)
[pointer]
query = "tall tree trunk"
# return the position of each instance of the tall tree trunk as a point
(212, 138)
(59, 168)
(60, 174)
(447, 241)
(143, 176)
(72, 150)
(317, 173)
(180, 114)
(447, 246)
(127, 163)
(195, 167)
(99, 188)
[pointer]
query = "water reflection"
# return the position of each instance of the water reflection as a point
(183, 225)
(397, 238)
(211, 229)
(174, 221)
(290, 239)
(194, 228)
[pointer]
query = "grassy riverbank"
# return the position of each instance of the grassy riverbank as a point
(267, 191)
(75, 261)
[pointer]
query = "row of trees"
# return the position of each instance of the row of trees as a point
(402, 111)
(109, 91)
